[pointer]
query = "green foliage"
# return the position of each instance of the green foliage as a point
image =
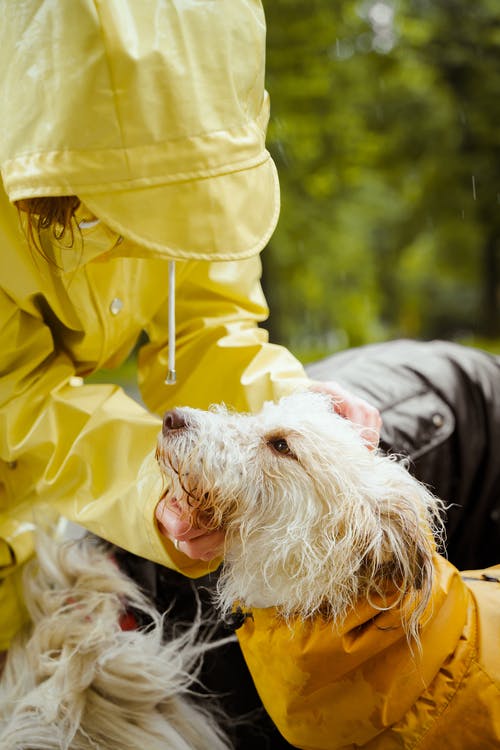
(385, 131)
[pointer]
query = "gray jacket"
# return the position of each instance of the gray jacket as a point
(440, 404)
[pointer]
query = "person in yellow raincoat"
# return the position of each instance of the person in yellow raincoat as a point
(136, 195)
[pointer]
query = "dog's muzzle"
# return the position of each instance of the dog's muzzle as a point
(173, 420)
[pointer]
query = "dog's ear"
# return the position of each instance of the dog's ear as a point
(402, 565)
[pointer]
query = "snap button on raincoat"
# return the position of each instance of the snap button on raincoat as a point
(154, 115)
(362, 686)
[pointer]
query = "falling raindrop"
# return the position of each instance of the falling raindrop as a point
(381, 14)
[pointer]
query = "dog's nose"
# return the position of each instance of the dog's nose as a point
(173, 420)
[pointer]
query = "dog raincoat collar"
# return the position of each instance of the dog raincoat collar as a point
(366, 669)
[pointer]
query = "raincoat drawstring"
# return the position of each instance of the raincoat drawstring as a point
(171, 376)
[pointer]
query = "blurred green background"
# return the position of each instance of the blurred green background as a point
(385, 127)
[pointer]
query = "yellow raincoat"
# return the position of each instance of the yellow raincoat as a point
(154, 114)
(362, 686)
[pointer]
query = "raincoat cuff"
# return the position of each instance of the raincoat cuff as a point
(151, 486)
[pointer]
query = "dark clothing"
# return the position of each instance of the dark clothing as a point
(440, 404)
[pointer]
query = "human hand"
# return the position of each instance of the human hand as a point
(353, 408)
(194, 539)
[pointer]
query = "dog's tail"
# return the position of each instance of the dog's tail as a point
(80, 679)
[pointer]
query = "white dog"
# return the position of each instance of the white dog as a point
(78, 680)
(358, 633)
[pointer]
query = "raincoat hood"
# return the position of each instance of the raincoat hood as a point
(153, 113)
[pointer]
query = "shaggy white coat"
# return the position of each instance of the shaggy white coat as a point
(314, 520)
(75, 680)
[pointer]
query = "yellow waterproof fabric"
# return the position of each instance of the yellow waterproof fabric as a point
(80, 447)
(361, 686)
(153, 112)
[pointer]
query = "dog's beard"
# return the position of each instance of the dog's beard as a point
(199, 500)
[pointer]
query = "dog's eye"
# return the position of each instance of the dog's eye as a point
(281, 446)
